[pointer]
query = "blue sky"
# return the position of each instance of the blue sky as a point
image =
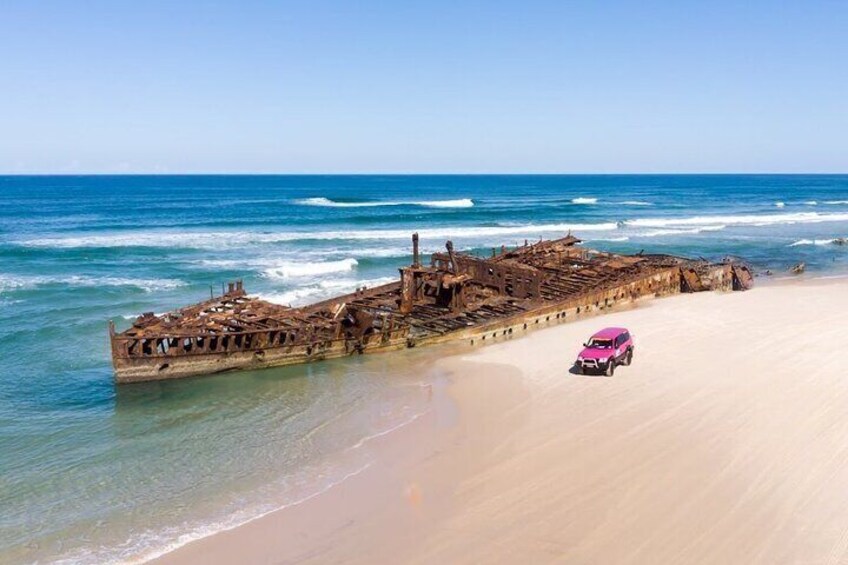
(477, 87)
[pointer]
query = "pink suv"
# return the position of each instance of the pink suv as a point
(604, 350)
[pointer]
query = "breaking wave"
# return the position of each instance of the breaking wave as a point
(25, 282)
(692, 231)
(745, 219)
(239, 239)
(611, 239)
(219, 240)
(583, 200)
(814, 242)
(780, 204)
(131, 317)
(837, 202)
(291, 270)
(333, 253)
(326, 202)
(324, 289)
(637, 203)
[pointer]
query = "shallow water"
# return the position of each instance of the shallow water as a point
(97, 472)
(107, 473)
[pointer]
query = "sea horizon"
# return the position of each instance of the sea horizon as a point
(428, 174)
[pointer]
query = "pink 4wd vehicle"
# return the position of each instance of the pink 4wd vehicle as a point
(604, 350)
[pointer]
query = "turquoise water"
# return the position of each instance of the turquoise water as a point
(93, 472)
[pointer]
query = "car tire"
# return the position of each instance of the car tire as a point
(579, 369)
(628, 357)
(610, 371)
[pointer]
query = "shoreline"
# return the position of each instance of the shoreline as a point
(508, 424)
(399, 474)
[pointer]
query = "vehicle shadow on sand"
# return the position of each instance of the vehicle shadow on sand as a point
(574, 371)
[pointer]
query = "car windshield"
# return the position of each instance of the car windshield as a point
(596, 343)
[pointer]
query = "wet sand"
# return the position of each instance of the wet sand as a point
(726, 441)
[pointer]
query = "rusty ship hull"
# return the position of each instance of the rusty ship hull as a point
(456, 297)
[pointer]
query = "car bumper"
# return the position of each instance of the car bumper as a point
(591, 365)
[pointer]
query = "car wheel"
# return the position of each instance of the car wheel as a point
(628, 358)
(610, 368)
(579, 369)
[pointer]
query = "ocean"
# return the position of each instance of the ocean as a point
(90, 472)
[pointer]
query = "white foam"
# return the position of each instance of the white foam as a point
(374, 436)
(612, 239)
(134, 316)
(780, 204)
(748, 219)
(333, 253)
(236, 239)
(294, 297)
(812, 242)
(458, 203)
(660, 233)
(326, 202)
(811, 203)
(637, 203)
(290, 270)
(23, 282)
(486, 231)
(135, 549)
(239, 239)
(837, 202)
(324, 289)
(584, 200)
(254, 262)
(691, 231)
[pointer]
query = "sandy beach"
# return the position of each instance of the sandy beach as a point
(726, 441)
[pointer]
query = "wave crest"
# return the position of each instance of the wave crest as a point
(814, 242)
(736, 220)
(26, 282)
(223, 239)
(292, 270)
(239, 239)
(691, 231)
(611, 239)
(324, 289)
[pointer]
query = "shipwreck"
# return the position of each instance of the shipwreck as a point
(457, 296)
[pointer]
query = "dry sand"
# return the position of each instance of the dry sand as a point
(726, 441)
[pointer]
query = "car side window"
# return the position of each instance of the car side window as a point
(625, 337)
(619, 340)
